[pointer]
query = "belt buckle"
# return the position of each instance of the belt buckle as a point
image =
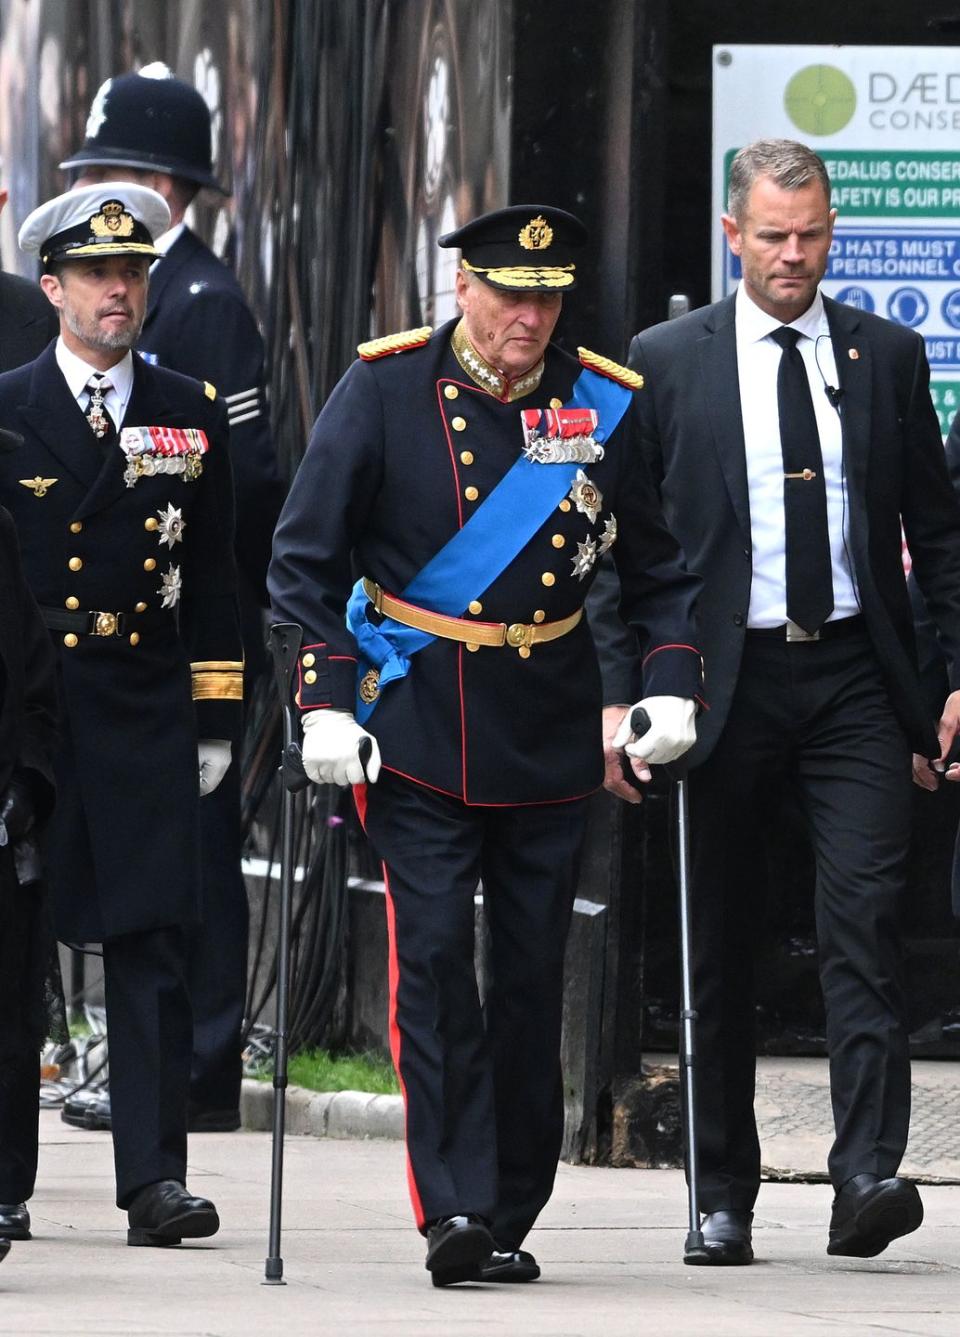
(377, 597)
(520, 635)
(106, 624)
(795, 633)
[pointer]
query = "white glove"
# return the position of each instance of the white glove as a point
(214, 757)
(672, 729)
(331, 749)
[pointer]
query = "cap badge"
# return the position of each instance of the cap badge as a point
(112, 221)
(536, 235)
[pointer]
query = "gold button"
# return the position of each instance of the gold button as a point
(151, 523)
(558, 540)
(475, 606)
(471, 647)
(140, 607)
(471, 493)
(310, 677)
(72, 601)
(75, 563)
(150, 564)
(564, 505)
(548, 578)
(524, 652)
(451, 391)
(135, 638)
(75, 526)
(539, 615)
(309, 660)
(458, 424)
(466, 457)
(70, 640)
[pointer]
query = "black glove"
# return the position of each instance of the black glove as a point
(17, 812)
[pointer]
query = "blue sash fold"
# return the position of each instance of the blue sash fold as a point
(486, 545)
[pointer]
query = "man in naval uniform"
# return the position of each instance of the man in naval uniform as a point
(123, 498)
(473, 478)
(154, 129)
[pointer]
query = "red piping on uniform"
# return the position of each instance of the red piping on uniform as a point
(692, 650)
(453, 462)
(351, 659)
(393, 977)
(527, 803)
(463, 724)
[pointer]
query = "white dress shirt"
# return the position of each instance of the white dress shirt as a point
(758, 361)
(77, 373)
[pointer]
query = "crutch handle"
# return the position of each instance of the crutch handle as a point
(292, 775)
(639, 721)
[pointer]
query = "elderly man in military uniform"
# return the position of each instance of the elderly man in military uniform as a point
(154, 129)
(472, 477)
(123, 498)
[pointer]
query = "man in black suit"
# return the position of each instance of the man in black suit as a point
(155, 129)
(789, 436)
(123, 498)
(27, 320)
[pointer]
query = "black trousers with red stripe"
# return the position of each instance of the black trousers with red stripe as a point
(481, 1080)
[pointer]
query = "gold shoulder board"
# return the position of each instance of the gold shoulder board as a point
(209, 390)
(631, 379)
(394, 343)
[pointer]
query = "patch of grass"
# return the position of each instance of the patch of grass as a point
(318, 1070)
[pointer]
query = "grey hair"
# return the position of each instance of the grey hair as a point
(789, 165)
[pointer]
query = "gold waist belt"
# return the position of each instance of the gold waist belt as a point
(520, 635)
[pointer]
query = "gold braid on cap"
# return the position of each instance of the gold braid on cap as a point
(606, 367)
(394, 343)
(525, 276)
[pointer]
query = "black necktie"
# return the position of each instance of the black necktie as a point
(809, 569)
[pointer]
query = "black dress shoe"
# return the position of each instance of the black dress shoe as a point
(165, 1213)
(869, 1212)
(509, 1265)
(727, 1240)
(213, 1121)
(14, 1221)
(88, 1109)
(456, 1246)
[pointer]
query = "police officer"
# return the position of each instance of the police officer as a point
(473, 476)
(123, 497)
(154, 129)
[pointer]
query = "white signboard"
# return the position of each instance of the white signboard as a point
(886, 121)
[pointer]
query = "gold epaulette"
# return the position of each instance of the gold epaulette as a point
(631, 379)
(209, 390)
(394, 343)
(217, 679)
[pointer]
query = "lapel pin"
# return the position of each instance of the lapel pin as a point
(38, 486)
(853, 354)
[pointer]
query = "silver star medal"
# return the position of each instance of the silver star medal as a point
(609, 536)
(587, 497)
(585, 558)
(172, 525)
(170, 587)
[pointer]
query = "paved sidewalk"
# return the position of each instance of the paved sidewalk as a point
(609, 1244)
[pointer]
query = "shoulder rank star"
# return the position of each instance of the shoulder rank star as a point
(38, 486)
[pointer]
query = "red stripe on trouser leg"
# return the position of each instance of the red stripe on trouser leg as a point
(393, 977)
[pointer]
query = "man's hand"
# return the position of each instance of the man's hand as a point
(672, 730)
(946, 735)
(213, 755)
(613, 779)
(331, 749)
(923, 775)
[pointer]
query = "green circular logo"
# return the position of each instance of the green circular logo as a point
(820, 99)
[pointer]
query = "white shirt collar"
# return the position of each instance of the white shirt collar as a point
(754, 324)
(76, 372)
(167, 239)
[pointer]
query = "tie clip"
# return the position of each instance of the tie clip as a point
(805, 474)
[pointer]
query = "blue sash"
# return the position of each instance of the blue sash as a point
(486, 545)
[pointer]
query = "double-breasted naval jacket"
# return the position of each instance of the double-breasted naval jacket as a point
(404, 452)
(122, 845)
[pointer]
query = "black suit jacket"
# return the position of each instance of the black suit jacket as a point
(27, 321)
(895, 471)
(123, 842)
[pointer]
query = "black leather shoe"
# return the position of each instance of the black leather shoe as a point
(88, 1109)
(165, 1213)
(14, 1221)
(456, 1246)
(869, 1212)
(4, 1249)
(509, 1265)
(727, 1240)
(213, 1121)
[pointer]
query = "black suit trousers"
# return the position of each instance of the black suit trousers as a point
(481, 1081)
(816, 715)
(151, 1032)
